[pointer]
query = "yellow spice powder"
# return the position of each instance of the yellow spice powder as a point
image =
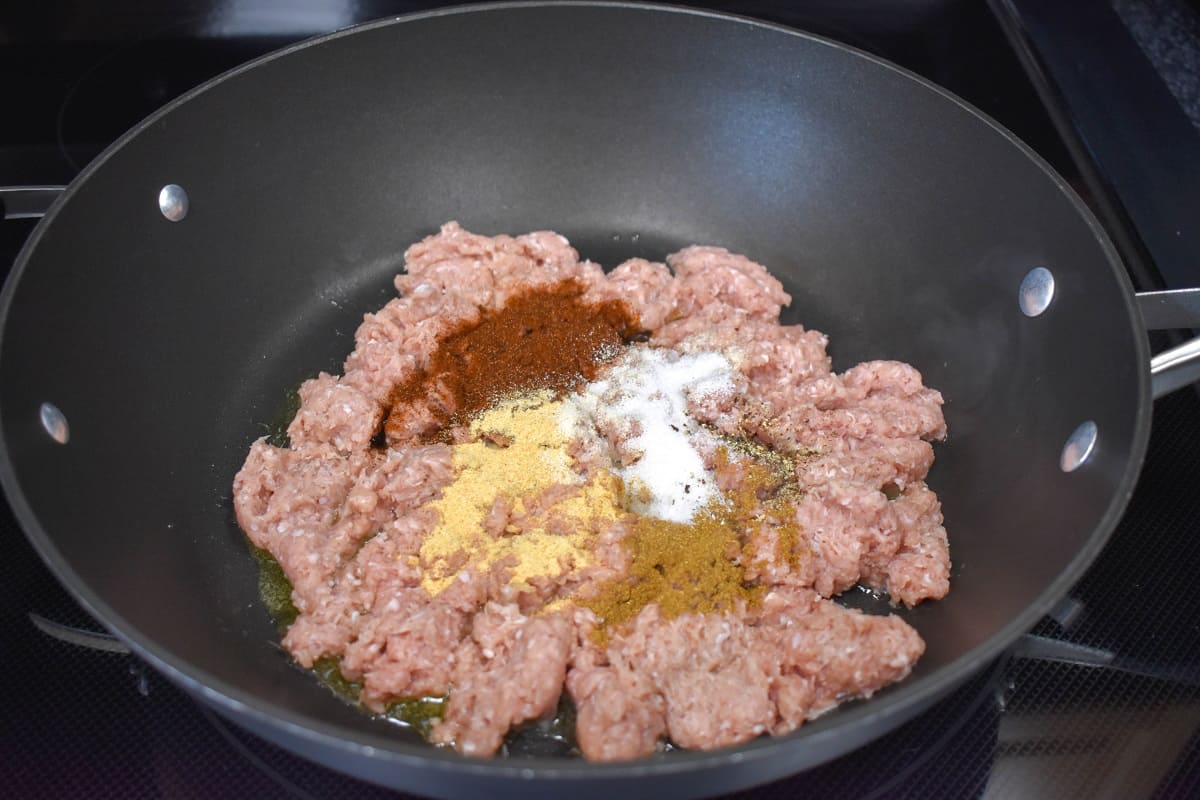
(519, 451)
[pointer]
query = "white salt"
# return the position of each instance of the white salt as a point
(646, 393)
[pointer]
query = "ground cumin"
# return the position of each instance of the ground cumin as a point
(543, 338)
(698, 567)
(683, 567)
(766, 495)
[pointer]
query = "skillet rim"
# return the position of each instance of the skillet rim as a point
(883, 712)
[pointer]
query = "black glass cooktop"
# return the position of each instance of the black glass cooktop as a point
(1101, 700)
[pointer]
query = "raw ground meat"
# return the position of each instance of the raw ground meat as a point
(346, 521)
(715, 680)
(510, 670)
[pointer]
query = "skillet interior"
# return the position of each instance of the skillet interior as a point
(901, 222)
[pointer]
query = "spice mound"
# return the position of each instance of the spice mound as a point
(635, 493)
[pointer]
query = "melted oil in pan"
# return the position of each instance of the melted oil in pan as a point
(551, 736)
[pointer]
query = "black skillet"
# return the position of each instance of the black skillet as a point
(902, 221)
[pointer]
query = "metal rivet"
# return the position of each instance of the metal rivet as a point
(173, 202)
(1079, 447)
(1037, 290)
(54, 422)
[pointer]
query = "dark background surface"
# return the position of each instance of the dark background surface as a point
(1105, 92)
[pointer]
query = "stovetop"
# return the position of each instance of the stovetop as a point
(1101, 700)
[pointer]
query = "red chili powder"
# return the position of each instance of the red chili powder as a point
(543, 338)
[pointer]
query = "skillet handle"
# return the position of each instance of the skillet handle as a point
(28, 202)
(1175, 368)
(1047, 648)
(1179, 366)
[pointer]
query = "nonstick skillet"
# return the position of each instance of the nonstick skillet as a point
(226, 248)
